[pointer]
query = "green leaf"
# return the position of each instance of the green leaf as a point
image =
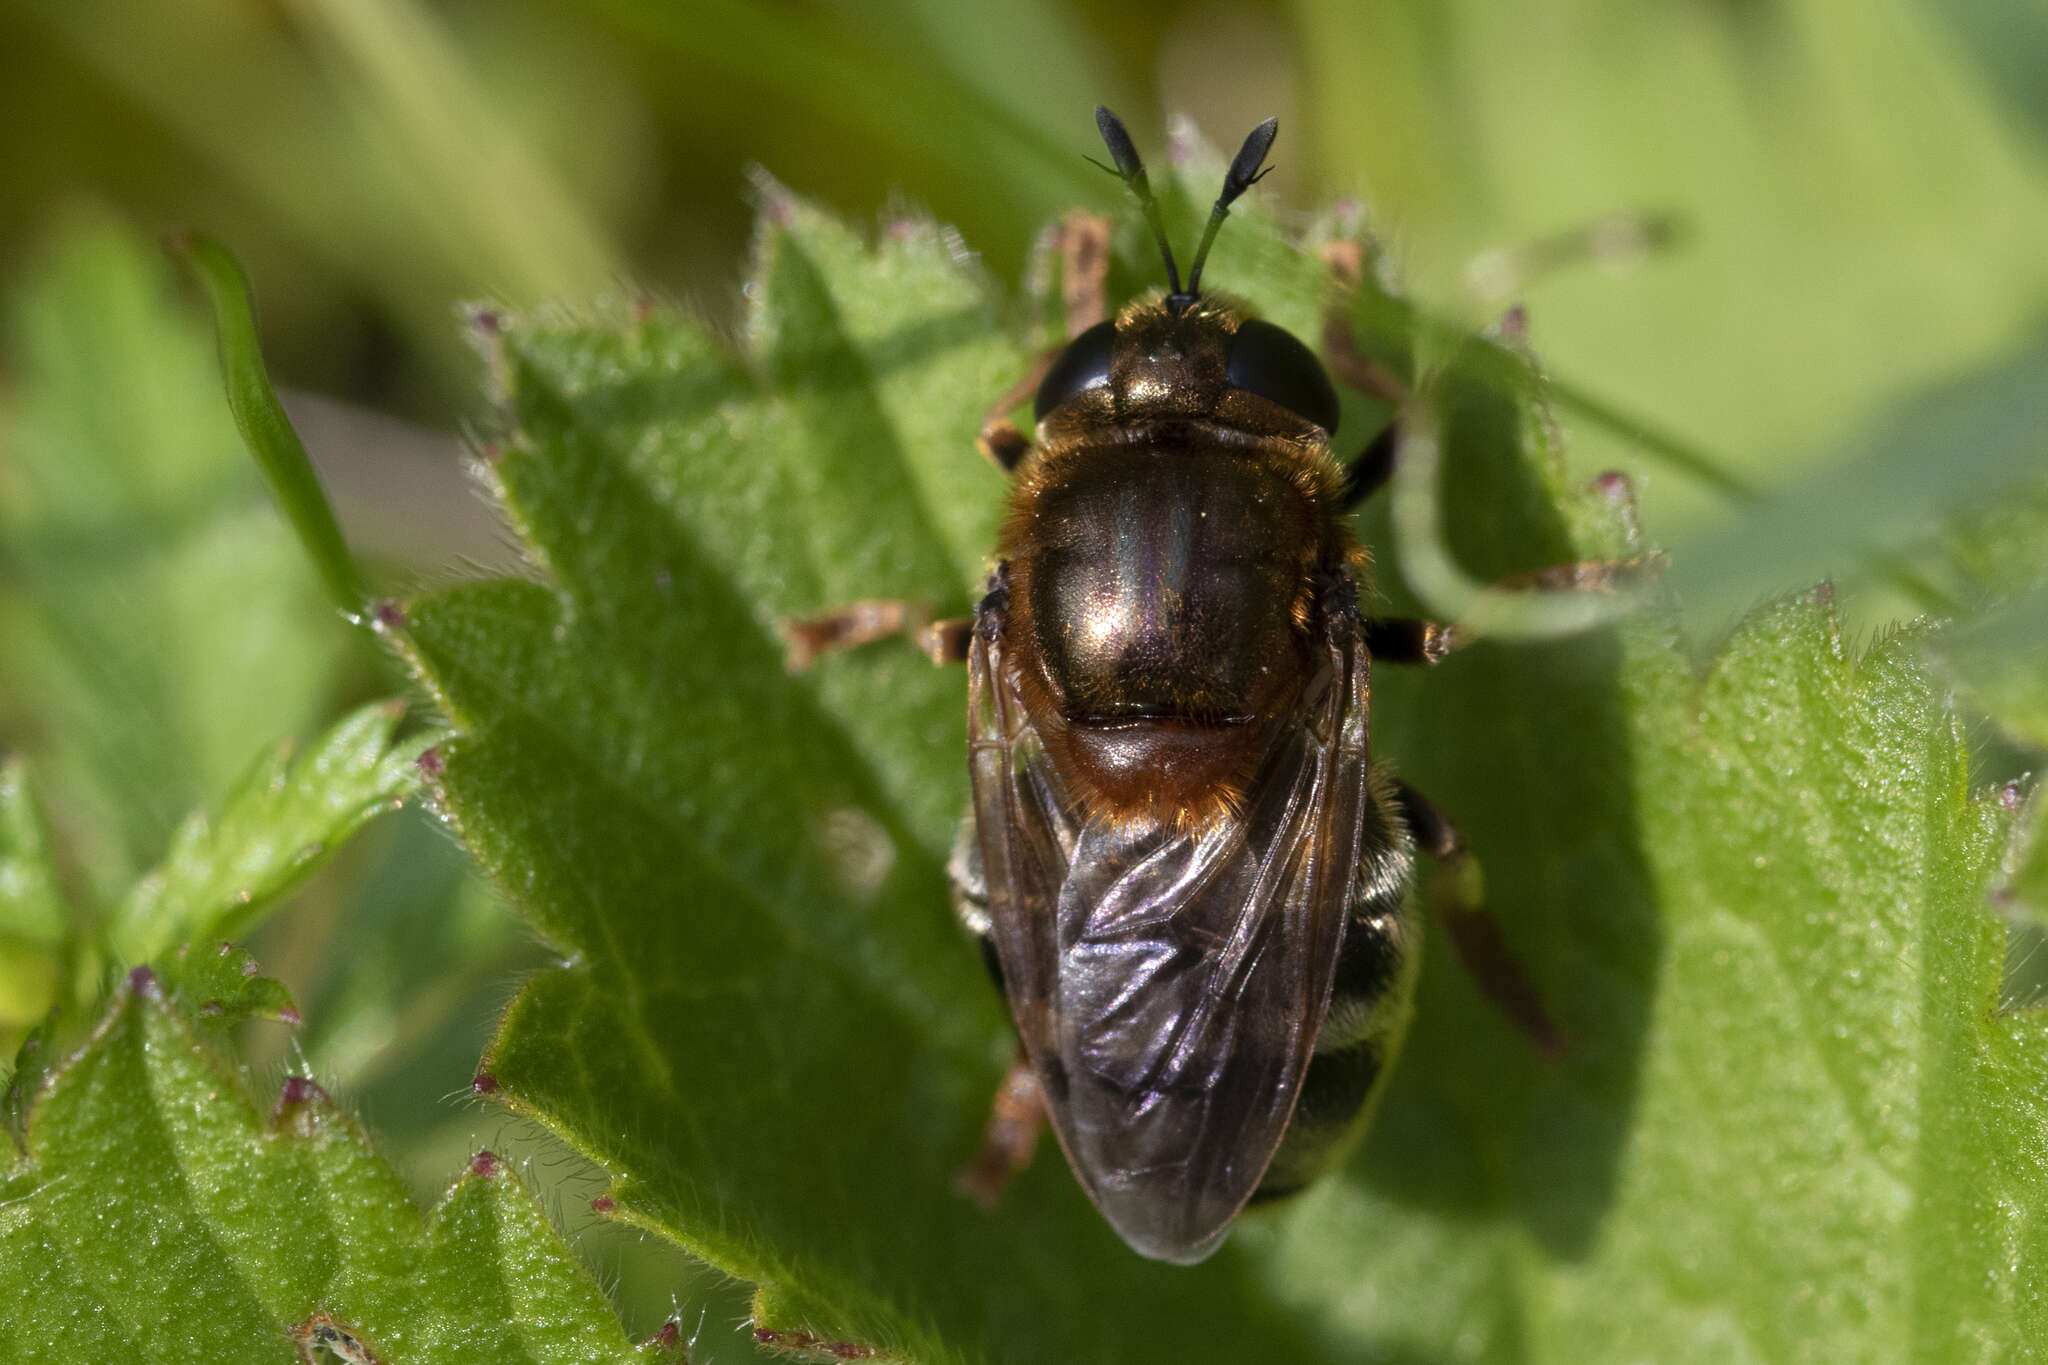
(1926, 461)
(1994, 564)
(260, 418)
(159, 1215)
(33, 919)
(1792, 1126)
(221, 983)
(159, 624)
(284, 818)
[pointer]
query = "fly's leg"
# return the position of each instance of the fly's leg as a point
(1083, 246)
(1017, 1115)
(878, 618)
(1370, 469)
(1458, 898)
(1408, 639)
(1015, 1120)
(1081, 243)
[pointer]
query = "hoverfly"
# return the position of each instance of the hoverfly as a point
(1188, 876)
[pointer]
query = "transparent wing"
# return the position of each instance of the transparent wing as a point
(1169, 985)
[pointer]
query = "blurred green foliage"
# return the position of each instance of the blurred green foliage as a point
(1861, 185)
(1849, 318)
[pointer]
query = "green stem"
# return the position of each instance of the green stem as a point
(261, 419)
(1702, 466)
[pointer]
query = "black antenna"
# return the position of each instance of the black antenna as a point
(1244, 173)
(1132, 170)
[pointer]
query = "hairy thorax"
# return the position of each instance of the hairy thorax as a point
(1164, 586)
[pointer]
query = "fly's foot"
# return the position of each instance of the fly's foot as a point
(1014, 1122)
(1409, 640)
(1458, 898)
(850, 626)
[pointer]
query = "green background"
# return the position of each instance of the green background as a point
(1851, 310)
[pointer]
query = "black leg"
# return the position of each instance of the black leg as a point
(1370, 469)
(1408, 639)
(1459, 899)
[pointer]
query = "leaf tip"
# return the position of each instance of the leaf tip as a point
(301, 1104)
(778, 205)
(1615, 486)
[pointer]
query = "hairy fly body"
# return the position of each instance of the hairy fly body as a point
(1187, 874)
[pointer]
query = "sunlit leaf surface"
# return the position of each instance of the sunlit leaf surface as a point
(1792, 1125)
(288, 813)
(160, 1215)
(160, 625)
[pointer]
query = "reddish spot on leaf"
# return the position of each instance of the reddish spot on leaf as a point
(484, 1163)
(142, 981)
(604, 1203)
(803, 1343)
(1614, 486)
(212, 1008)
(390, 615)
(299, 1102)
(322, 1330)
(483, 1083)
(429, 763)
(298, 1089)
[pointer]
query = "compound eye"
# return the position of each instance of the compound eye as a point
(1082, 366)
(1270, 362)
